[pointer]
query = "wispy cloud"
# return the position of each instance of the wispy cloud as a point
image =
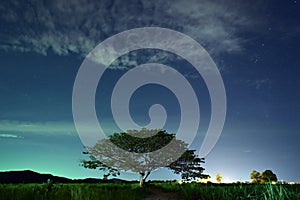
(63, 26)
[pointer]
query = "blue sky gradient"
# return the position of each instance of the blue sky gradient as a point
(254, 44)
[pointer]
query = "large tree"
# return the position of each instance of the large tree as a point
(268, 176)
(139, 154)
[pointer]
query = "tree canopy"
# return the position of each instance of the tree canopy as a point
(268, 176)
(255, 176)
(136, 152)
(264, 177)
(219, 178)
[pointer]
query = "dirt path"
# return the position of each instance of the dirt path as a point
(159, 194)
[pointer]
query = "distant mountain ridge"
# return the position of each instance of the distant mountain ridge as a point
(28, 176)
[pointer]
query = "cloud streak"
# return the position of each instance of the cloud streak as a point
(22, 128)
(10, 136)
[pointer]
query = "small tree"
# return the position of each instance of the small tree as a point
(219, 178)
(136, 155)
(255, 176)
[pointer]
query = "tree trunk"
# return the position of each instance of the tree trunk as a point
(141, 181)
(143, 177)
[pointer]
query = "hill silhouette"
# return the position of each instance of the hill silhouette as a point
(28, 176)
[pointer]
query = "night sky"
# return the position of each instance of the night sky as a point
(255, 45)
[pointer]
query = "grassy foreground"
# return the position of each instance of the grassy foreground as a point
(125, 191)
(233, 191)
(72, 191)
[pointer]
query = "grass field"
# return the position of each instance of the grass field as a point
(71, 191)
(233, 191)
(125, 191)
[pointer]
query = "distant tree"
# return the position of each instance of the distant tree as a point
(219, 178)
(107, 156)
(255, 176)
(268, 176)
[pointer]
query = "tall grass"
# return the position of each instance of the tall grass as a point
(71, 191)
(191, 191)
(187, 191)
